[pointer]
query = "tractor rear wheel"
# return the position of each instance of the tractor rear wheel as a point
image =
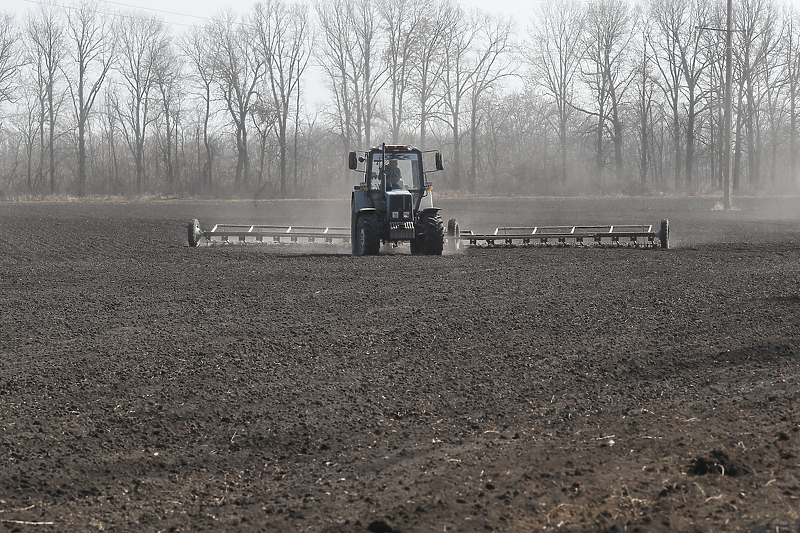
(434, 234)
(665, 234)
(368, 235)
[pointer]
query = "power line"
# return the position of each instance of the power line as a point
(125, 15)
(156, 10)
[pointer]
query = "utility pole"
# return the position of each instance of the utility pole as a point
(727, 133)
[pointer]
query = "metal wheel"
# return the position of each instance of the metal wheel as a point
(664, 234)
(193, 231)
(453, 235)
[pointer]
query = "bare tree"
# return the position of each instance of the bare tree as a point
(493, 63)
(27, 123)
(263, 116)
(672, 20)
(368, 46)
(427, 76)
(757, 36)
(695, 60)
(714, 77)
(169, 72)
(283, 40)
(351, 56)
(92, 52)
(457, 79)
(10, 63)
(334, 58)
(404, 21)
(46, 41)
(791, 51)
(110, 127)
(645, 88)
(772, 98)
(196, 46)
(142, 44)
(554, 56)
(608, 35)
(239, 69)
(10, 58)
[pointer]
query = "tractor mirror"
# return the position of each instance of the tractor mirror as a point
(439, 165)
(352, 161)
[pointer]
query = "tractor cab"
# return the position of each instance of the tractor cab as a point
(391, 180)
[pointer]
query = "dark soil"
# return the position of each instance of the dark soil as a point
(149, 386)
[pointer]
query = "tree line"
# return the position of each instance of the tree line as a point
(574, 97)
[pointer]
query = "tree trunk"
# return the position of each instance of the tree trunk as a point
(737, 152)
(51, 142)
(562, 138)
(456, 152)
(690, 141)
(676, 137)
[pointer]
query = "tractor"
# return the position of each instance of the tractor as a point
(394, 202)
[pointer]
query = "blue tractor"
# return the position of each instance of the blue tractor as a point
(394, 202)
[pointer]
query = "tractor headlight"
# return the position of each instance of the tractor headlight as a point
(395, 214)
(407, 214)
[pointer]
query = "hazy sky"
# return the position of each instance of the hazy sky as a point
(190, 12)
(184, 13)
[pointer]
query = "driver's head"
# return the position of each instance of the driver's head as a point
(393, 163)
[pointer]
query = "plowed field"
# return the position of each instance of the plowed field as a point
(149, 386)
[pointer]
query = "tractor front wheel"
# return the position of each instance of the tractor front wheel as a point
(368, 235)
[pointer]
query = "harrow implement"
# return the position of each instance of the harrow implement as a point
(636, 235)
(266, 233)
(639, 235)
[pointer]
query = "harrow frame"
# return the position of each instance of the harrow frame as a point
(273, 233)
(637, 235)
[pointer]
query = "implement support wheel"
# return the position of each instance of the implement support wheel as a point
(194, 233)
(453, 235)
(664, 234)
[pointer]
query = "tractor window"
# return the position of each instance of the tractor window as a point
(375, 172)
(407, 164)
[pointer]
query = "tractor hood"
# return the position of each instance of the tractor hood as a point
(399, 205)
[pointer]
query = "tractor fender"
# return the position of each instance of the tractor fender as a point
(358, 213)
(359, 203)
(432, 210)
